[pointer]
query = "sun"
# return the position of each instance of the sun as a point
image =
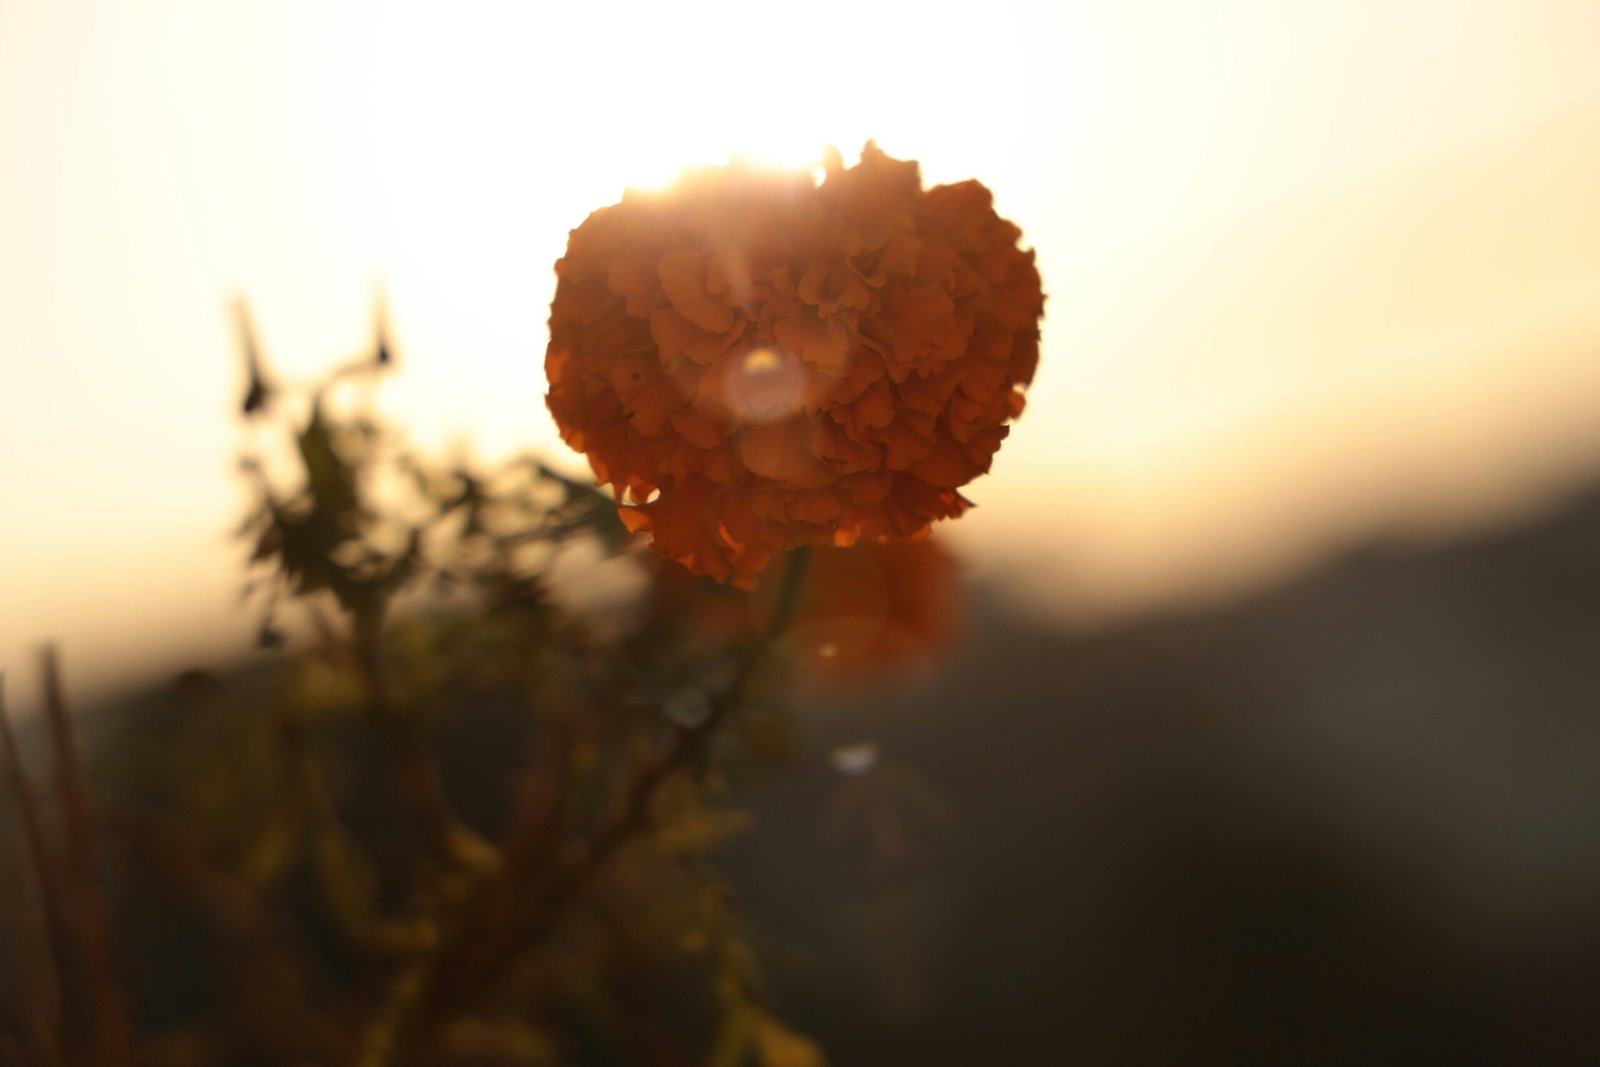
(495, 130)
(632, 93)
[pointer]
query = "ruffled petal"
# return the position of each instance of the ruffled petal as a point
(772, 362)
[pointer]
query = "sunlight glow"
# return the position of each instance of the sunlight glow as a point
(496, 131)
(1305, 263)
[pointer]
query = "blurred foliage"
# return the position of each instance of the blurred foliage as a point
(446, 818)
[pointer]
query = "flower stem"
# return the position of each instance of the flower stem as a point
(481, 956)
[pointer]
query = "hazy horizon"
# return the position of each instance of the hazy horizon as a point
(1312, 275)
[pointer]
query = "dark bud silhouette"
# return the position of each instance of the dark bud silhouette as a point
(383, 354)
(269, 638)
(258, 392)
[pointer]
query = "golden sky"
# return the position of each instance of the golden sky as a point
(1314, 269)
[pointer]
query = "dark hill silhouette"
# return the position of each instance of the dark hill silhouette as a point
(1354, 819)
(1351, 820)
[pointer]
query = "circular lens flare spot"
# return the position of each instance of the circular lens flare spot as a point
(858, 758)
(765, 384)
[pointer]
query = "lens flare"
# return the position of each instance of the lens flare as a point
(765, 384)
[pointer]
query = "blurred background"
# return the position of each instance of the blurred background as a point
(1275, 717)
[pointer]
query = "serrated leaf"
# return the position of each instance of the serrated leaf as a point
(330, 480)
(702, 830)
(270, 855)
(779, 1046)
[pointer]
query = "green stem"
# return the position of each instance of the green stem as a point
(416, 777)
(476, 965)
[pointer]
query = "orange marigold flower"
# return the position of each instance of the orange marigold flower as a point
(755, 361)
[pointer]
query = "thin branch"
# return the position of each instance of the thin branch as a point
(686, 747)
(379, 1045)
(44, 871)
(335, 857)
(417, 779)
(474, 964)
(109, 1033)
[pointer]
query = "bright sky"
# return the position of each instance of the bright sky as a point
(1312, 268)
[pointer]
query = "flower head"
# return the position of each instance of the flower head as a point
(755, 361)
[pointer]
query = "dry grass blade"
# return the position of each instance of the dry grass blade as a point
(45, 873)
(108, 1032)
